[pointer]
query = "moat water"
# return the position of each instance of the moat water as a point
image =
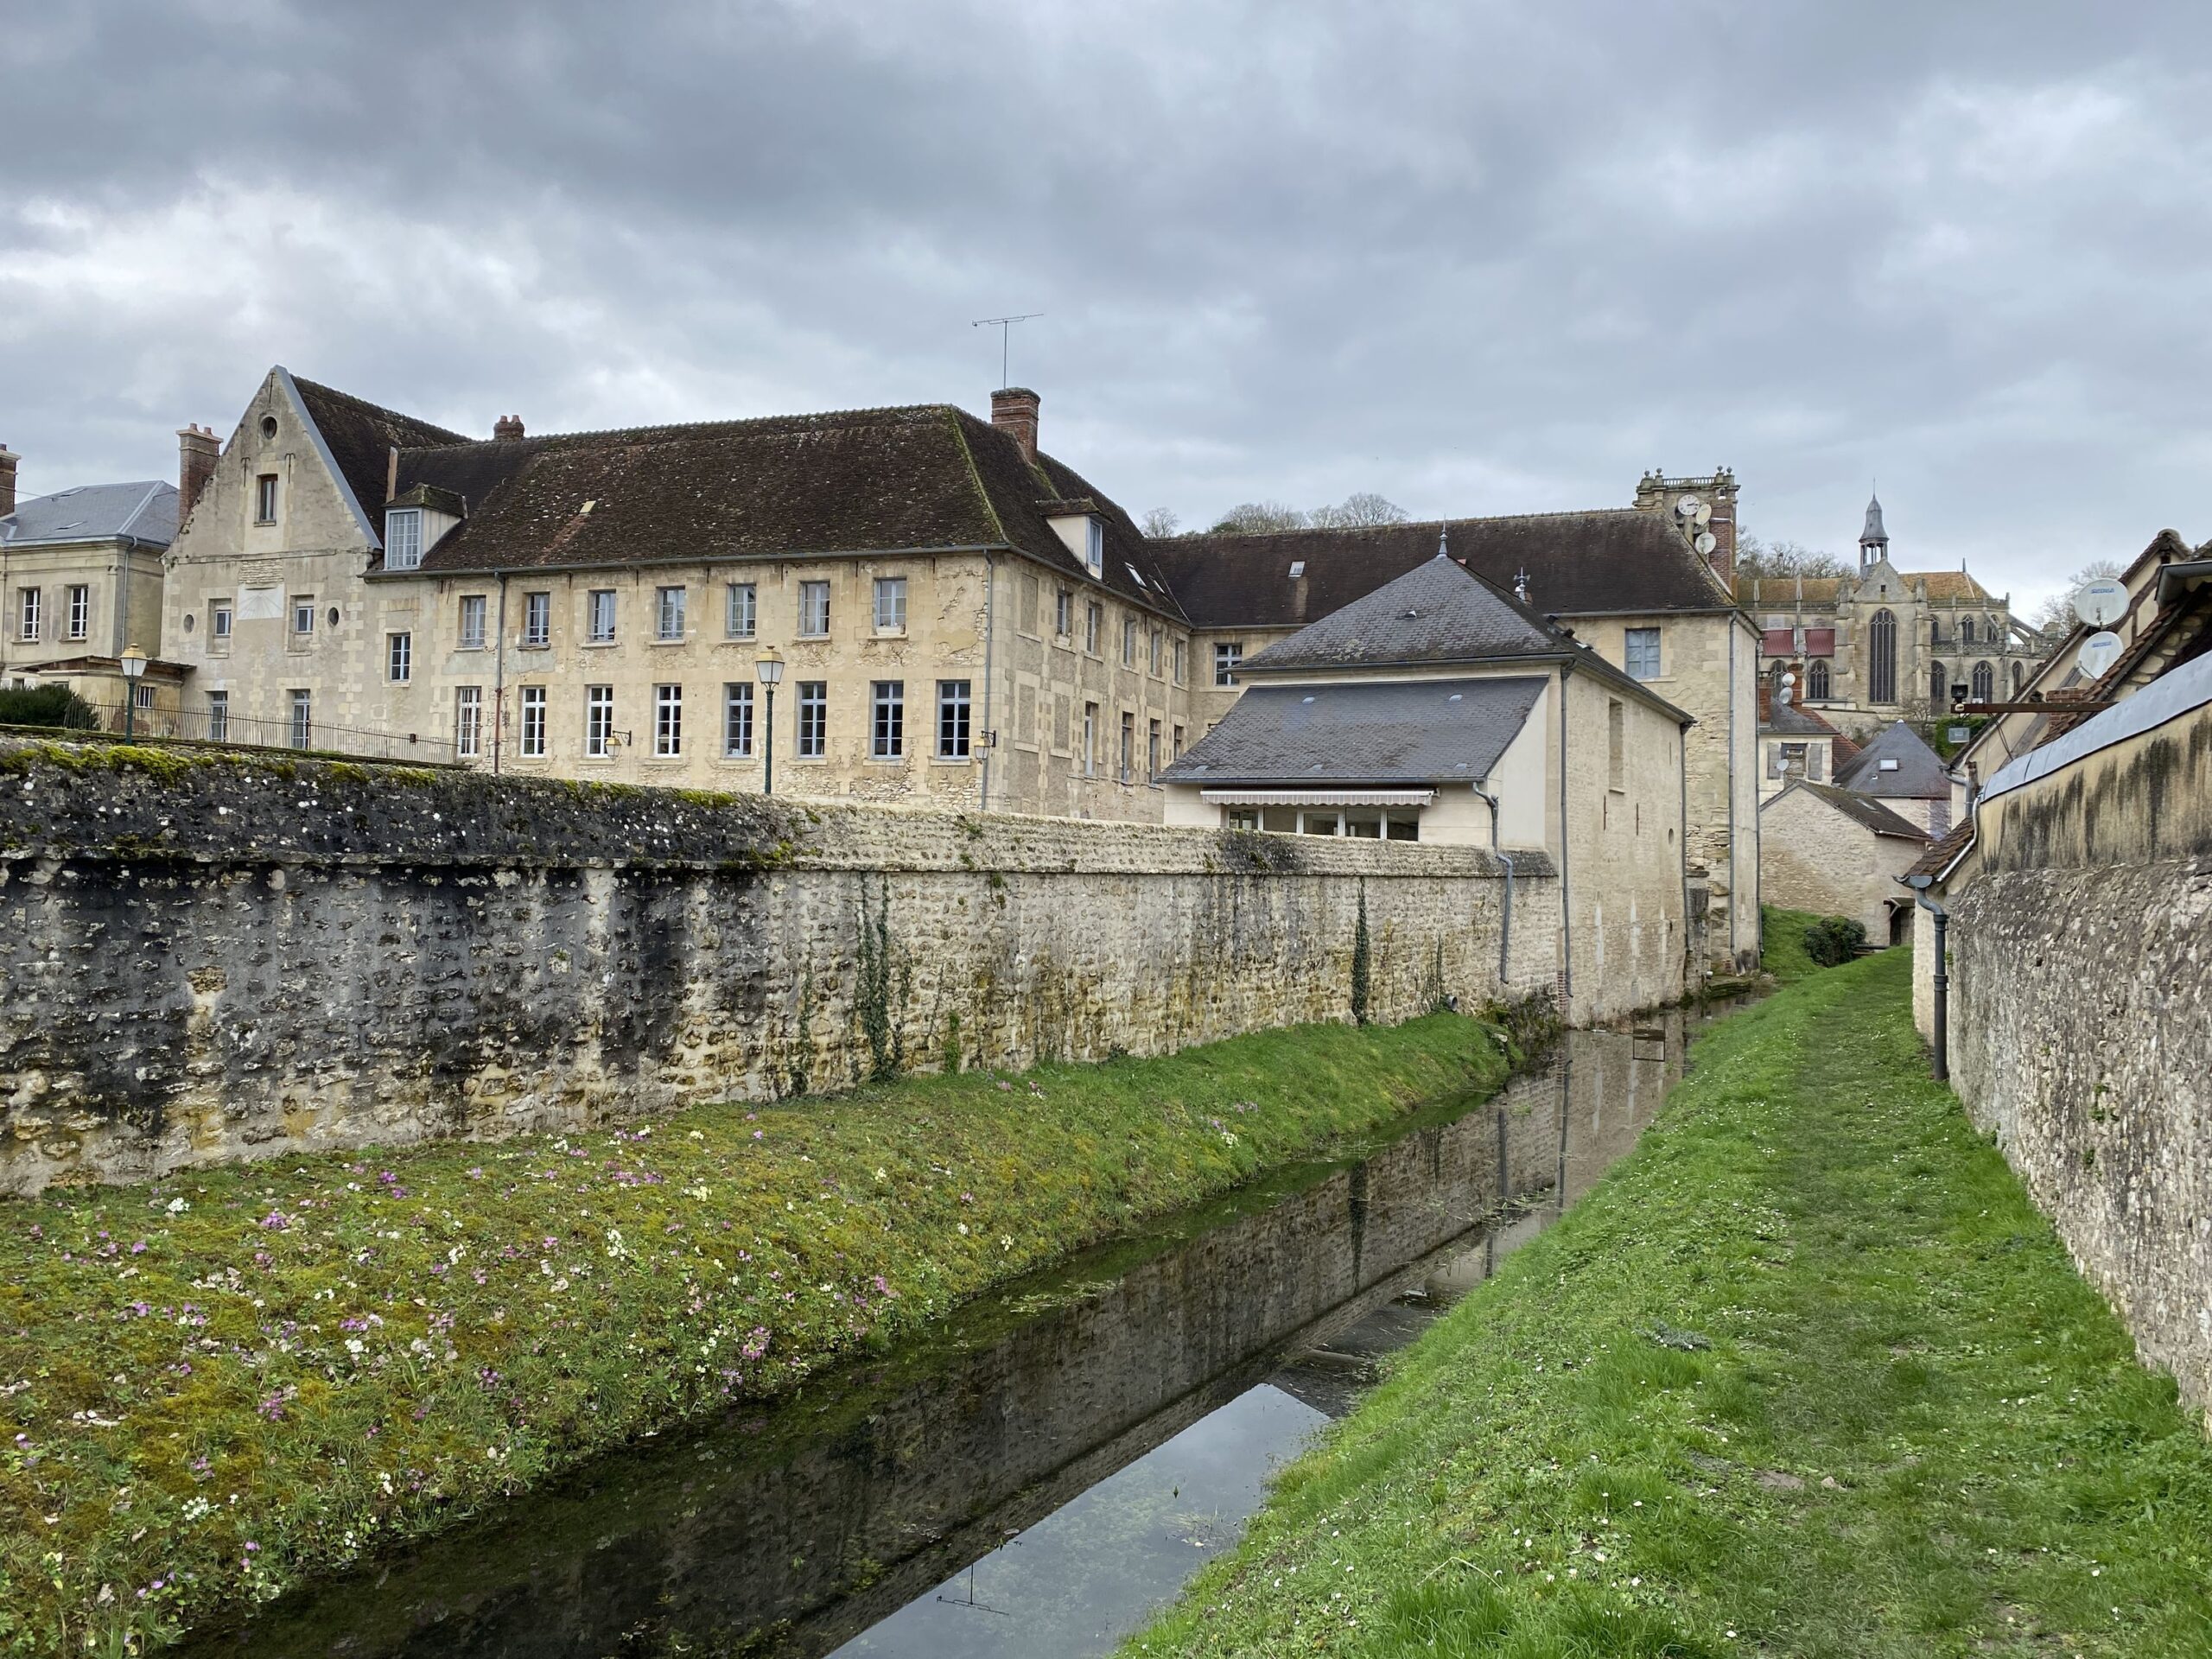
(1051, 1465)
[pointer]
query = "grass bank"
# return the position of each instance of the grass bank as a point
(213, 1387)
(1806, 1374)
(1781, 944)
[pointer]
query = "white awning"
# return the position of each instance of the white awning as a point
(1317, 797)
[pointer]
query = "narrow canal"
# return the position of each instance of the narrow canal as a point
(1055, 1463)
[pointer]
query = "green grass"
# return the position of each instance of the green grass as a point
(215, 1386)
(1915, 1431)
(1781, 943)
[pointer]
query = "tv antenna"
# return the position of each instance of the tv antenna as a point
(1005, 325)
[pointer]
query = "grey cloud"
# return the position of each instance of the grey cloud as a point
(1481, 257)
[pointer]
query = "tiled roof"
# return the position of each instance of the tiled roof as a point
(1436, 613)
(95, 512)
(1610, 561)
(1756, 591)
(1939, 857)
(883, 481)
(1919, 774)
(361, 437)
(1871, 814)
(1369, 732)
(1949, 584)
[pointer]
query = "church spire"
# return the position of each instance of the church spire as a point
(1873, 540)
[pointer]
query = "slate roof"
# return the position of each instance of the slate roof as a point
(882, 480)
(1790, 721)
(1378, 732)
(1611, 561)
(1920, 773)
(1436, 613)
(144, 511)
(361, 437)
(1871, 814)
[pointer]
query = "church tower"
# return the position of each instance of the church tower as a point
(1873, 540)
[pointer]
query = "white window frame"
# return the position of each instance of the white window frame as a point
(219, 716)
(1228, 657)
(537, 620)
(813, 734)
(467, 722)
(669, 605)
(1094, 625)
(474, 609)
(80, 609)
(741, 611)
(737, 719)
(1181, 658)
(955, 719)
(533, 722)
(1094, 548)
(601, 619)
(887, 719)
(814, 610)
(667, 721)
(398, 657)
(1128, 642)
(891, 604)
(1090, 739)
(221, 614)
(403, 538)
(30, 615)
(598, 721)
(303, 728)
(303, 616)
(1063, 613)
(264, 498)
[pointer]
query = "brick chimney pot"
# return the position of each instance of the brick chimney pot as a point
(7, 459)
(1014, 411)
(508, 428)
(197, 452)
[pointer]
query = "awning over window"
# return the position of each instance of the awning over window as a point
(1317, 797)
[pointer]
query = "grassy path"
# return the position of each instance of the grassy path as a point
(1806, 1375)
(216, 1385)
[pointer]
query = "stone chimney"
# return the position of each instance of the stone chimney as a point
(1014, 411)
(7, 459)
(508, 428)
(197, 452)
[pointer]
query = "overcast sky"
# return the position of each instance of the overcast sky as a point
(1480, 258)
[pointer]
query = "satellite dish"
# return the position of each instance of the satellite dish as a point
(1703, 513)
(1687, 506)
(2100, 603)
(2099, 652)
(1705, 543)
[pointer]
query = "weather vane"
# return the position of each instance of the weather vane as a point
(1005, 325)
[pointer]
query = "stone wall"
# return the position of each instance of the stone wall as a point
(2081, 1020)
(207, 956)
(1813, 857)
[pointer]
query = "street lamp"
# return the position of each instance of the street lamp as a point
(134, 666)
(771, 668)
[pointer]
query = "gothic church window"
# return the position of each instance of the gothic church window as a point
(1939, 685)
(1882, 653)
(1985, 682)
(1816, 681)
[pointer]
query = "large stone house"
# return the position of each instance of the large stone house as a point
(1883, 643)
(959, 618)
(81, 582)
(1835, 852)
(1436, 708)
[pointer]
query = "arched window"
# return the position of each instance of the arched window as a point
(1939, 685)
(2019, 677)
(1965, 630)
(1985, 682)
(1882, 657)
(1816, 681)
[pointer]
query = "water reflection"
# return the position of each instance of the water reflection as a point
(1055, 1463)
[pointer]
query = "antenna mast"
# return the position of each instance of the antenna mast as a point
(1005, 325)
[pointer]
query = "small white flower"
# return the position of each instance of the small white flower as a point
(178, 1206)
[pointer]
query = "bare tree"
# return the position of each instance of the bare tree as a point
(1360, 508)
(1259, 518)
(1160, 522)
(2056, 617)
(1782, 560)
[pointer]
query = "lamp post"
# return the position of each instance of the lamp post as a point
(134, 667)
(770, 668)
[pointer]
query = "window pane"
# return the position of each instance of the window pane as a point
(468, 722)
(472, 622)
(668, 720)
(890, 603)
(599, 719)
(219, 716)
(669, 622)
(302, 720)
(737, 719)
(887, 738)
(1225, 660)
(743, 611)
(813, 607)
(533, 720)
(603, 615)
(400, 660)
(813, 717)
(952, 718)
(537, 619)
(1642, 653)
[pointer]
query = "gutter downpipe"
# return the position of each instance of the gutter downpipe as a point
(500, 677)
(1505, 927)
(1565, 891)
(990, 641)
(1730, 784)
(1920, 884)
(1682, 841)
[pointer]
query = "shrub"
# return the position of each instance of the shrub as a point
(1835, 939)
(48, 705)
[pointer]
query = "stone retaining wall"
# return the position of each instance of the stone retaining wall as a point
(206, 956)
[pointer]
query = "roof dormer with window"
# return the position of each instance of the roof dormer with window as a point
(415, 521)
(1082, 528)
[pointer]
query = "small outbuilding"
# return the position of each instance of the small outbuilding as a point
(1835, 852)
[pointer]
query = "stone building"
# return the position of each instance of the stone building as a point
(1836, 853)
(1880, 644)
(80, 581)
(960, 619)
(1435, 708)
(1906, 775)
(1796, 743)
(1630, 582)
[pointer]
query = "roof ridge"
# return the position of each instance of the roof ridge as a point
(1400, 526)
(328, 390)
(913, 411)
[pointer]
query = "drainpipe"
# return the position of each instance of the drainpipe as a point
(990, 640)
(1920, 884)
(1683, 841)
(1735, 898)
(500, 677)
(1566, 893)
(1505, 927)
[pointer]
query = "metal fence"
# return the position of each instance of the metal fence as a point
(297, 734)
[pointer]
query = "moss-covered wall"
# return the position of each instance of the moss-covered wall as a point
(206, 956)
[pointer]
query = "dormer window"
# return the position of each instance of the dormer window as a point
(403, 538)
(1095, 548)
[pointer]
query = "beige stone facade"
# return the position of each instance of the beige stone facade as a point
(1821, 858)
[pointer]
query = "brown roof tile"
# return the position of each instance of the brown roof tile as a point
(362, 436)
(1938, 857)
